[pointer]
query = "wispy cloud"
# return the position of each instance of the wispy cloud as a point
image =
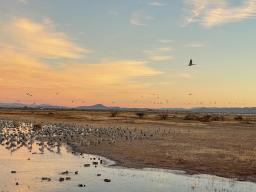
(23, 1)
(230, 14)
(165, 41)
(156, 3)
(40, 39)
(211, 13)
(21, 72)
(195, 9)
(156, 57)
(165, 49)
(195, 45)
(139, 18)
(48, 21)
(160, 54)
(185, 75)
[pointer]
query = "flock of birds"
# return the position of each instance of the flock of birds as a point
(14, 135)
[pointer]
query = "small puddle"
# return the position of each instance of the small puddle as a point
(38, 167)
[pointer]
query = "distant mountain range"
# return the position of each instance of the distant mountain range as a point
(93, 107)
(103, 107)
(34, 106)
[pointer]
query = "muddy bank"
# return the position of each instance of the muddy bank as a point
(137, 155)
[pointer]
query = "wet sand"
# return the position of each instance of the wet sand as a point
(223, 148)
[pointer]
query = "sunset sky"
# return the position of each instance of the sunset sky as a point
(130, 53)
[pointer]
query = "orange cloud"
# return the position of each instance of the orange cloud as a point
(160, 54)
(40, 40)
(23, 68)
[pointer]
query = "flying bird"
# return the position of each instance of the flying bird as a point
(28, 94)
(191, 63)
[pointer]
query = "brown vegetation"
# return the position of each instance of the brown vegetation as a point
(163, 116)
(114, 113)
(140, 114)
(238, 118)
(204, 118)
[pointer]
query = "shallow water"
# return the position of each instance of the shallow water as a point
(33, 164)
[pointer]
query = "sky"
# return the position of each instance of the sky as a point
(128, 53)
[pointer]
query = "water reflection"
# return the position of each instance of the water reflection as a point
(29, 165)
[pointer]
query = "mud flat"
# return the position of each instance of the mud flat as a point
(224, 147)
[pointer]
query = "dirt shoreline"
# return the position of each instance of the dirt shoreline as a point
(222, 148)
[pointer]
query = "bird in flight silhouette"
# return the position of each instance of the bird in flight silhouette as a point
(191, 63)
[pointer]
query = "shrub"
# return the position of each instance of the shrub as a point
(218, 118)
(163, 116)
(114, 113)
(191, 117)
(205, 118)
(140, 114)
(238, 118)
